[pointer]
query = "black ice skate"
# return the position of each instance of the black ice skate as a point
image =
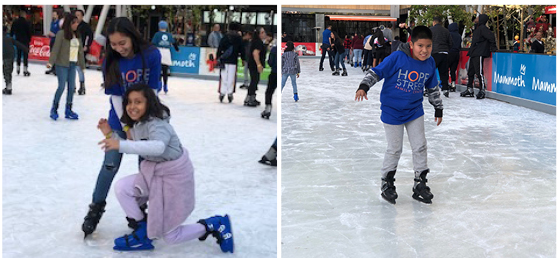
(25, 71)
(446, 93)
(81, 90)
(388, 188)
(481, 94)
(469, 92)
(344, 72)
(452, 87)
(92, 218)
(267, 112)
(336, 72)
(230, 96)
(221, 97)
(7, 90)
(421, 192)
(18, 69)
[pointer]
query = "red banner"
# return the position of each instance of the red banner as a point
(39, 48)
(303, 49)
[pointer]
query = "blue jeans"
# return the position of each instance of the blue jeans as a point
(358, 55)
(80, 74)
(111, 164)
(293, 81)
(65, 75)
(329, 54)
(339, 59)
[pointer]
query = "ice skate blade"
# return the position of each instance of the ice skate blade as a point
(418, 198)
(388, 200)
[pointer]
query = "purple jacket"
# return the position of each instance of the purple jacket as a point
(170, 188)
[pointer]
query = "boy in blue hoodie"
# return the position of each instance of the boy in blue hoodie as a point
(406, 72)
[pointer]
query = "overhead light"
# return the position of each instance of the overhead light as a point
(153, 7)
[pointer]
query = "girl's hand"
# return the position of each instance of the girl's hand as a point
(104, 126)
(438, 120)
(110, 144)
(360, 95)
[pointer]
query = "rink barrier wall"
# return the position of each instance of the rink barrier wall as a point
(188, 62)
(522, 79)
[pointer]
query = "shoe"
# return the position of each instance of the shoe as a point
(446, 93)
(230, 96)
(344, 72)
(54, 111)
(81, 90)
(221, 97)
(7, 91)
(220, 228)
(421, 192)
(388, 188)
(243, 86)
(321, 69)
(467, 93)
(252, 102)
(336, 72)
(69, 114)
(481, 94)
(18, 69)
(267, 111)
(138, 240)
(295, 97)
(93, 217)
(452, 88)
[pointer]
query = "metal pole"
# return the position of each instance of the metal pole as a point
(47, 17)
(118, 10)
(88, 13)
(102, 19)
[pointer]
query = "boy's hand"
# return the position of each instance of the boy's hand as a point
(297, 75)
(361, 94)
(438, 120)
(48, 65)
(110, 144)
(104, 126)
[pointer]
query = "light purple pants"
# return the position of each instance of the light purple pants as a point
(124, 189)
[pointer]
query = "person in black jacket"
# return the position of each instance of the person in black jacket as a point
(230, 48)
(22, 31)
(8, 54)
(482, 44)
(453, 55)
(441, 44)
(86, 34)
(537, 46)
(271, 81)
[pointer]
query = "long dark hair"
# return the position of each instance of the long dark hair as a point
(154, 108)
(380, 36)
(67, 27)
(112, 69)
(290, 46)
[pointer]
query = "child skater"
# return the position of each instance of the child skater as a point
(166, 178)
(406, 74)
(163, 41)
(290, 67)
(8, 54)
(129, 59)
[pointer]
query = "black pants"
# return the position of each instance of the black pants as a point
(442, 65)
(8, 69)
(165, 74)
(453, 62)
(365, 57)
(371, 56)
(254, 80)
(329, 54)
(21, 53)
(475, 67)
(271, 86)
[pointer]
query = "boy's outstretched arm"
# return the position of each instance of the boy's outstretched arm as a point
(436, 101)
(369, 80)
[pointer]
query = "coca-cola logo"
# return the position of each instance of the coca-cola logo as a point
(43, 51)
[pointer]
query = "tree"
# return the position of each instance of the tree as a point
(424, 14)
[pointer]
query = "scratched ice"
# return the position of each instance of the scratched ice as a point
(49, 170)
(493, 176)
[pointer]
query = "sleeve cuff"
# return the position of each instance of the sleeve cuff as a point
(364, 87)
(438, 113)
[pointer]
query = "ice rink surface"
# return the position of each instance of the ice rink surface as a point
(49, 170)
(493, 176)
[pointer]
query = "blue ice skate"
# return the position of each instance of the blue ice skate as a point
(136, 241)
(220, 228)
(296, 97)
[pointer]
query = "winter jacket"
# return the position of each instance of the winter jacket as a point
(8, 43)
(86, 34)
(402, 91)
(339, 48)
(358, 43)
(441, 39)
(290, 63)
(60, 52)
(456, 38)
(537, 47)
(483, 41)
(214, 39)
(22, 30)
(231, 39)
(347, 43)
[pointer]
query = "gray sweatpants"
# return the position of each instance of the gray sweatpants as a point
(394, 136)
